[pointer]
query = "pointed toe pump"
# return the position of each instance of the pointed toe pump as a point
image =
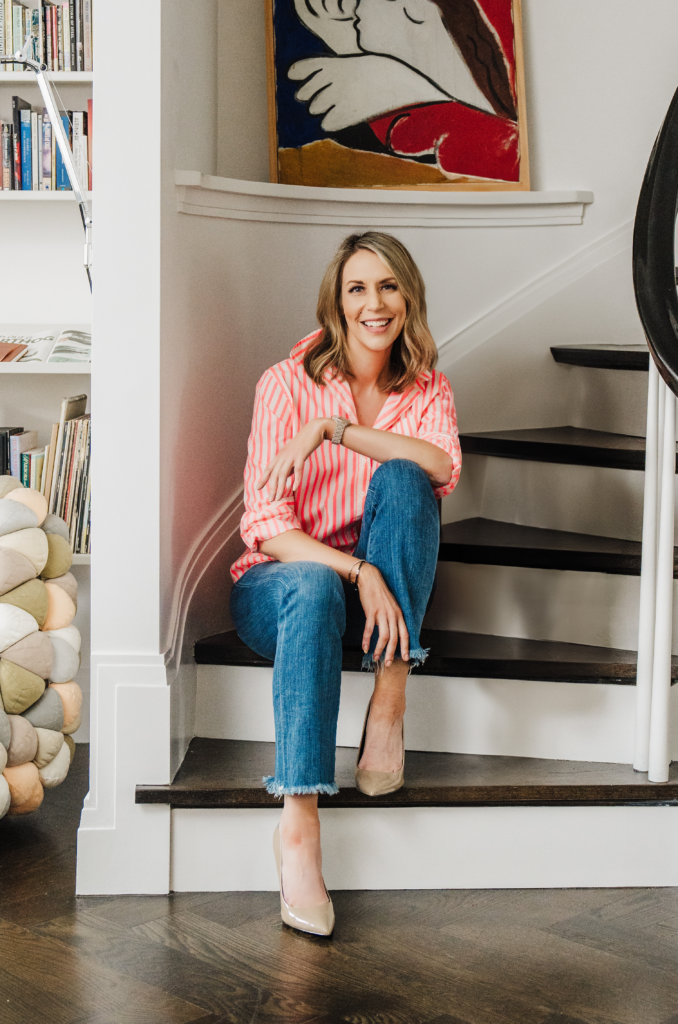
(317, 920)
(378, 783)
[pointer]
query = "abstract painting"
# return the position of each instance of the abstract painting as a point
(397, 94)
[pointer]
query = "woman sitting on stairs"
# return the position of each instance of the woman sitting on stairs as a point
(353, 439)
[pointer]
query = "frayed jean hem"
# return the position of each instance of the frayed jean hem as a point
(417, 657)
(329, 788)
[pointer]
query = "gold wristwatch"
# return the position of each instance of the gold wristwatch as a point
(341, 425)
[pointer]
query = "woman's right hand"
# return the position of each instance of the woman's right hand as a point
(382, 609)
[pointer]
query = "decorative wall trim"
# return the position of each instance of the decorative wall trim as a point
(204, 550)
(205, 195)
(531, 295)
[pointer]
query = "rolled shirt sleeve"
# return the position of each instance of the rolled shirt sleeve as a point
(438, 426)
(272, 429)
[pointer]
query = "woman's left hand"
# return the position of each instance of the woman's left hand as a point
(292, 457)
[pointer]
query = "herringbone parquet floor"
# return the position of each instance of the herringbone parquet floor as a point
(603, 956)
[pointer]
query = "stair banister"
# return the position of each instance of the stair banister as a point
(657, 300)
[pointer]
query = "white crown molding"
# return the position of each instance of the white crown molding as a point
(527, 298)
(205, 195)
(203, 551)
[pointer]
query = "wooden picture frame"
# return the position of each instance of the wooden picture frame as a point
(352, 104)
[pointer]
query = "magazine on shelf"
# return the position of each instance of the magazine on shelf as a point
(67, 346)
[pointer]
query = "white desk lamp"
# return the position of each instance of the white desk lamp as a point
(45, 86)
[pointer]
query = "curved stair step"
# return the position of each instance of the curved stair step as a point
(227, 773)
(472, 656)
(603, 357)
(492, 542)
(571, 445)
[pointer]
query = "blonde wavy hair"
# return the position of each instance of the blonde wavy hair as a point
(413, 352)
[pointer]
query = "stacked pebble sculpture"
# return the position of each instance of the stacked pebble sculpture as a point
(39, 649)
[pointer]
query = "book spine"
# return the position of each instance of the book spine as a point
(47, 32)
(78, 34)
(26, 168)
(25, 469)
(2, 33)
(71, 27)
(90, 136)
(77, 145)
(87, 34)
(17, 29)
(6, 156)
(46, 152)
(7, 4)
(35, 32)
(27, 28)
(66, 28)
(60, 38)
(54, 14)
(14, 467)
(63, 183)
(35, 151)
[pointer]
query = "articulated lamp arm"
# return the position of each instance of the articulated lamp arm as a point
(21, 57)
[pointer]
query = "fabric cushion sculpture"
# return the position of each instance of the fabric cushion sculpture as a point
(39, 649)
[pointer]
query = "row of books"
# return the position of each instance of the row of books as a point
(60, 470)
(61, 32)
(53, 346)
(31, 160)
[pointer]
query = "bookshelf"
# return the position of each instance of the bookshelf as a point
(44, 285)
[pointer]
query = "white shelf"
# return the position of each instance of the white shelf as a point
(82, 559)
(71, 77)
(27, 196)
(83, 369)
(204, 195)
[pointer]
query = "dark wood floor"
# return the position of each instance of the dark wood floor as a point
(577, 956)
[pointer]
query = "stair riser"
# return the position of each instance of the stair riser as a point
(568, 721)
(594, 608)
(581, 499)
(437, 848)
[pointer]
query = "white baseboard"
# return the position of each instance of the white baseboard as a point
(437, 848)
(518, 718)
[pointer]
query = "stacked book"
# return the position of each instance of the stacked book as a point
(61, 32)
(60, 470)
(31, 160)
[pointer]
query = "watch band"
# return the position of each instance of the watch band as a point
(341, 425)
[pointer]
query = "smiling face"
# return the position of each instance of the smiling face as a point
(374, 306)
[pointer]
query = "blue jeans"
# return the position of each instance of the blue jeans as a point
(296, 614)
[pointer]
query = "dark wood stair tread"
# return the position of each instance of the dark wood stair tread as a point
(228, 773)
(491, 542)
(603, 357)
(470, 655)
(567, 445)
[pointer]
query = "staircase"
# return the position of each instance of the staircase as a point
(520, 725)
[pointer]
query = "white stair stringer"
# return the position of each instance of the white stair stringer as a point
(221, 850)
(520, 718)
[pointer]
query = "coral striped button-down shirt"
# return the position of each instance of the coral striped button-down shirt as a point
(328, 505)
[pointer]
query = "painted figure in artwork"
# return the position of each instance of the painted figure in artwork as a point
(432, 81)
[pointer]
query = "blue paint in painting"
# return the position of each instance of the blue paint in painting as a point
(293, 42)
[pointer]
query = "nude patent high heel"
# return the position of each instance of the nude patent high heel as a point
(378, 783)
(317, 920)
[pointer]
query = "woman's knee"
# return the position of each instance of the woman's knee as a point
(403, 477)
